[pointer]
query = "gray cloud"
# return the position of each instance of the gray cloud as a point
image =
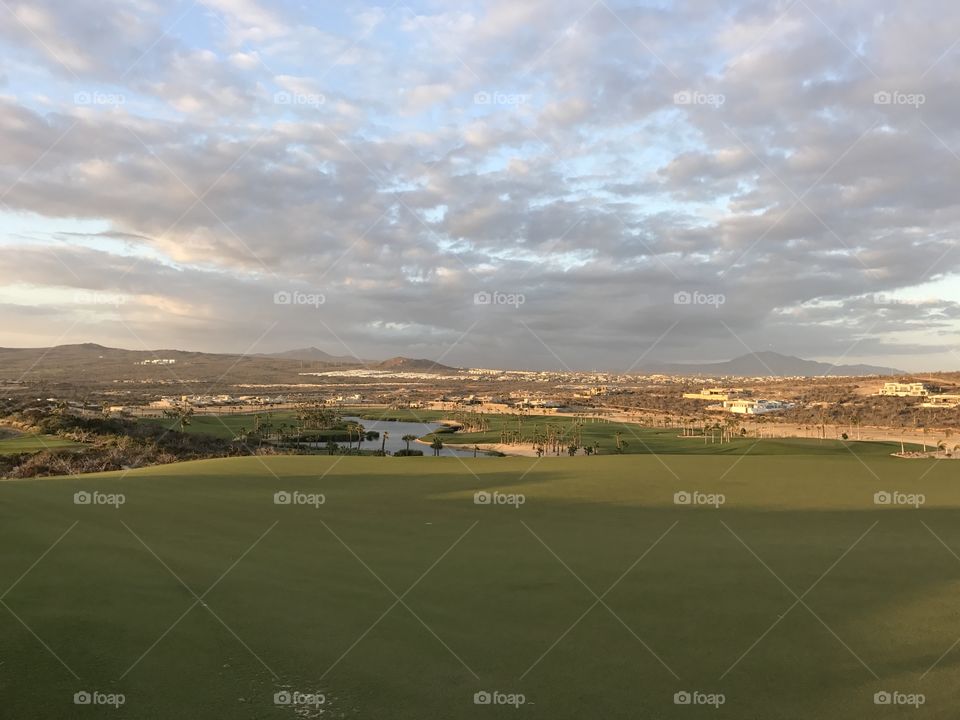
(382, 180)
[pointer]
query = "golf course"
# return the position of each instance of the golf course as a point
(767, 586)
(32, 443)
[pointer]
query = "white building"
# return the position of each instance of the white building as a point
(896, 389)
(714, 394)
(941, 401)
(755, 407)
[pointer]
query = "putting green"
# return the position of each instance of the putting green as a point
(400, 597)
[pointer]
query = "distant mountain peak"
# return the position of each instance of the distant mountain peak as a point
(413, 364)
(314, 354)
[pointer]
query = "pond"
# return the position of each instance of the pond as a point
(397, 429)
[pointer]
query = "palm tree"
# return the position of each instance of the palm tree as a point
(383, 443)
(180, 415)
(731, 423)
(352, 428)
(437, 446)
(408, 439)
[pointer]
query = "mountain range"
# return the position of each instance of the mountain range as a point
(93, 362)
(89, 361)
(315, 354)
(399, 363)
(766, 364)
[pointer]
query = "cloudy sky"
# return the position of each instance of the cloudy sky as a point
(527, 183)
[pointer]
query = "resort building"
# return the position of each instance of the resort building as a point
(941, 401)
(896, 389)
(715, 394)
(755, 407)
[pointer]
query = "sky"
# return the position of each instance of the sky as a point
(557, 184)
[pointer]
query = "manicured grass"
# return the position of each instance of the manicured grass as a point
(636, 438)
(34, 443)
(225, 427)
(402, 414)
(644, 440)
(228, 427)
(306, 589)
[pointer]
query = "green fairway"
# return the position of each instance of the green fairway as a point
(644, 440)
(229, 426)
(400, 597)
(636, 439)
(34, 443)
(402, 414)
(225, 427)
